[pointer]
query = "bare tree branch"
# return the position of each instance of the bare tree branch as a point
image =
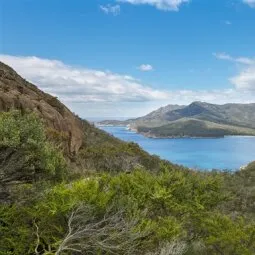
(37, 238)
(111, 233)
(171, 248)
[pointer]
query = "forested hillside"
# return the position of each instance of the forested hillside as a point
(108, 197)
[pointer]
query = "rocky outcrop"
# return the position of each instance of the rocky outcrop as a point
(17, 93)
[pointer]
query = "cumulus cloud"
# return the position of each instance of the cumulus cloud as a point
(76, 84)
(211, 96)
(110, 9)
(92, 93)
(251, 3)
(111, 110)
(166, 5)
(245, 80)
(145, 67)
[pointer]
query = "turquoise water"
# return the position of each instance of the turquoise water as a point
(229, 153)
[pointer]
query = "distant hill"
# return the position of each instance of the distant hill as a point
(194, 128)
(199, 119)
(233, 114)
(155, 118)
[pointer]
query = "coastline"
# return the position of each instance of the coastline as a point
(152, 136)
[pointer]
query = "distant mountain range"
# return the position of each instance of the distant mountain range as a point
(199, 119)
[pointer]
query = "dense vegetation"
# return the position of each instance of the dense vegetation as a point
(102, 152)
(47, 209)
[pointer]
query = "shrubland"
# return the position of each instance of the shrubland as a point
(116, 202)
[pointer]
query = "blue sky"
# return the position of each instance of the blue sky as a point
(115, 58)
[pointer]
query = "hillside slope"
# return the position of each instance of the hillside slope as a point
(86, 203)
(233, 114)
(85, 146)
(17, 93)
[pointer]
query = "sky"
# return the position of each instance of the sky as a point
(125, 58)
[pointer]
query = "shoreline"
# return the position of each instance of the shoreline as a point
(171, 137)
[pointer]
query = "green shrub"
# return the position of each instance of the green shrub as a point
(137, 212)
(165, 208)
(25, 149)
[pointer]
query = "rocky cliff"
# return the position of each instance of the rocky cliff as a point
(17, 93)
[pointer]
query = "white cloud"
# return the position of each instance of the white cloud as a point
(166, 5)
(110, 9)
(222, 56)
(227, 22)
(92, 93)
(245, 80)
(251, 3)
(212, 96)
(75, 84)
(110, 110)
(246, 61)
(240, 60)
(145, 67)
